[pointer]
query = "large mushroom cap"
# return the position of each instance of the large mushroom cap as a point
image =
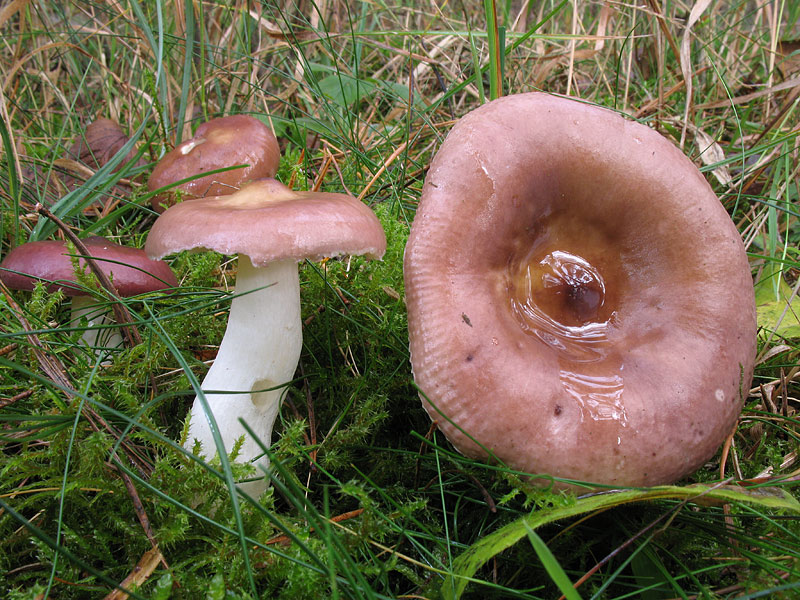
(579, 302)
(218, 143)
(50, 261)
(267, 221)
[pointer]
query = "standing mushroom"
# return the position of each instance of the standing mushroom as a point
(218, 143)
(51, 262)
(579, 302)
(271, 228)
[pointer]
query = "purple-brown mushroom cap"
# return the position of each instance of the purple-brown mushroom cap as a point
(50, 261)
(579, 302)
(218, 143)
(267, 221)
(101, 140)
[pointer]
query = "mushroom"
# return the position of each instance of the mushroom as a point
(218, 143)
(98, 144)
(51, 262)
(101, 140)
(579, 302)
(271, 228)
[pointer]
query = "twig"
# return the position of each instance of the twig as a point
(322, 172)
(121, 313)
(652, 105)
(284, 539)
(58, 374)
(338, 171)
(9, 401)
(380, 171)
(139, 575)
(662, 24)
(138, 507)
(300, 159)
(51, 367)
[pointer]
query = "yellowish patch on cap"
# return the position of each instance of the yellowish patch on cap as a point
(259, 193)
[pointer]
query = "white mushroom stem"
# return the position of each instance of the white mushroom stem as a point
(96, 315)
(260, 350)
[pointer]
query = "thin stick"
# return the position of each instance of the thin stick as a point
(138, 508)
(21, 396)
(662, 24)
(51, 367)
(139, 575)
(380, 171)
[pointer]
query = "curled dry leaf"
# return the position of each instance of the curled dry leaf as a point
(711, 153)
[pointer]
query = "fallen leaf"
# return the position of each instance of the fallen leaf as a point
(778, 309)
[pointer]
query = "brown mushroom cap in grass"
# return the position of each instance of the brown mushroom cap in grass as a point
(579, 302)
(267, 221)
(50, 261)
(218, 143)
(101, 140)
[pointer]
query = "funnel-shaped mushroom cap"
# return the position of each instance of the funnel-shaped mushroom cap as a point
(267, 221)
(580, 304)
(218, 143)
(50, 261)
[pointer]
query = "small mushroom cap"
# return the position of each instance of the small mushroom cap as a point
(102, 139)
(50, 261)
(579, 302)
(218, 143)
(267, 221)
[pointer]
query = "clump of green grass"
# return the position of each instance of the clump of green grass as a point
(367, 500)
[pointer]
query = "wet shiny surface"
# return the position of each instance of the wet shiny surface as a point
(563, 286)
(560, 298)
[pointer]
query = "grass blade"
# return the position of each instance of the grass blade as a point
(550, 563)
(496, 50)
(468, 563)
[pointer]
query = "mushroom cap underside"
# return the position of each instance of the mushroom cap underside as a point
(50, 261)
(580, 304)
(267, 221)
